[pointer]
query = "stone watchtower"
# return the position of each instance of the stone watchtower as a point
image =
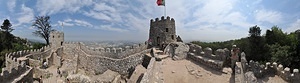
(56, 39)
(162, 31)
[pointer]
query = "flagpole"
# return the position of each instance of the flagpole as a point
(165, 8)
(166, 18)
(62, 26)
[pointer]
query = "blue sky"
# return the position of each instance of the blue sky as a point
(100, 20)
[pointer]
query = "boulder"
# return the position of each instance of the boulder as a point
(181, 51)
(177, 50)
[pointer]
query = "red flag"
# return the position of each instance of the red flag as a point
(160, 2)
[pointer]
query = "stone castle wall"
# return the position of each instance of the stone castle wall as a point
(260, 71)
(98, 61)
(69, 50)
(9, 75)
(19, 64)
(116, 53)
(206, 57)
(99, 64)
(12, 60)
(25, 77)
(26, 52)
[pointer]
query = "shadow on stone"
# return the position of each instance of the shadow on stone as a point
(232, 79)
(140, 78)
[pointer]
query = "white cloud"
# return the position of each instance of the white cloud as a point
(103, 7)
(98, 15)
(212, 20)
(48, 7)
(270, 16)
(237, 19)
(83, 23)
(110, 28)
(103, 11)
(72, 22)
(26, 16)
(11, 4)
(214, 11)
(294, 26)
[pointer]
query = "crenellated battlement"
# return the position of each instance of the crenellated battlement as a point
(9, 74)
(117, 52)
(18, 65)
(260, 70)
(219, 54)
(207, 57)
(157, 20)
(23, 53)
(71, 42)
(99, 64)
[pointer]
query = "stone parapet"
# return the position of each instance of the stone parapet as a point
(99, 64)
(219, 54)
(215, 64)
(271, 68)
(117, 53)
(9, 75)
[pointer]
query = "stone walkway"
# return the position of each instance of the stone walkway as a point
(157, 71)
(54, 78)
(185, 71)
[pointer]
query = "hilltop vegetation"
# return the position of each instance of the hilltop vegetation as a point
(274, 46)
(11, 43)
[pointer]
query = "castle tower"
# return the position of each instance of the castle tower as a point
(162, 31)
(56, 39)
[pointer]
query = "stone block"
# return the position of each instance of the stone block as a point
(207, 51)
(279, 70)
(107, 50)
(202, 53)
(274, 65)
(286, 74)
(198, 49)
(114, 50)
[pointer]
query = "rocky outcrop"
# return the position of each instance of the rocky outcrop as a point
(177, 50)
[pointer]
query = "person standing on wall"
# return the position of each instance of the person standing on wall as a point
(234, 57)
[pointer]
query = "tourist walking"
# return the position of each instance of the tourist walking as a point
(234, 57)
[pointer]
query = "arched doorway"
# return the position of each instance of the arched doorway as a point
(158, 41)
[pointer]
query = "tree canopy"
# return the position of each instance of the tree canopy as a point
(6, 26)
(43, 27)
